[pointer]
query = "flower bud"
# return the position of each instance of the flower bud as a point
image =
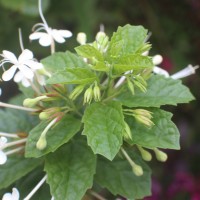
(76, 92)
(81, 38)
(32, 102)
(137, 169)
(157, 59)
(97, 93)
(41, 143)
(127, 134)
(160, 155)
(145, 154)
(130, 86)
(88, 95)
(43, 71)
(44, 115)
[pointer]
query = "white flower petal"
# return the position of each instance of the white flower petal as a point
(0, 91)
(25, 82)
(13, 196)
(65, 33)
(57, 36)
(26, 71)
(10, 56)
(33, 65)
(45, 40)
(18, 77)
(25, 55)
(3, 158)
(8, 74)
(36, 35)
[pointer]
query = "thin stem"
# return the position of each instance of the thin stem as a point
(9, 144)
(20, 39)
(127, 157)
(96, 195)
(6, 105)
(11, 135)
(14, 151)
(35, 189)
(34, 87)
(41, 14)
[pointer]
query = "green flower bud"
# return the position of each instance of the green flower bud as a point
(160, 155)
(130, 86)
(137, 169)
(76, 92)
(127, 134)
(43, 71)
(41, 143)
(145, 154)
(32, 102)
(88, 95)
(97, 93)
(144, 120)
(44, 115)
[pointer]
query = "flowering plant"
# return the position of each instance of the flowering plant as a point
(89, 119)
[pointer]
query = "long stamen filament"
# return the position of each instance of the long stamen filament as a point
(41, 14)
(11, 135)
(6, 105)
(20, 39)
(14, 151)
(35, 189)
(9, 144)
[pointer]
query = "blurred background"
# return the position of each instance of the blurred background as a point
(175, 28)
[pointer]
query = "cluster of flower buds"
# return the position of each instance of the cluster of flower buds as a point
(141, 115)
(92, 92)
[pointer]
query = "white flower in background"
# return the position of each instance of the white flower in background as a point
(81, 38)
(25, 64)
(11, 196)
(187, 71)
(47, 38)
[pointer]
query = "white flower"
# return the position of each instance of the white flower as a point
(189, 70)
(47, 38)
(25, 64)
(11, 196)
(3, 156)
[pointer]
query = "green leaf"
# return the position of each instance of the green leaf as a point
(100, 66)
(88, 51)
(62, 60)
(132, 62)
(132, 38)
(15, 168)
(164, 134)
(55, 137)
(73, 76)
(73, 172)
(117, 176)
(160, 91)
(104, 126)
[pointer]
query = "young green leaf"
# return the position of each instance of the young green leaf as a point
(73, 76)
(160, 91)
(62, 60)
(56, 136)
(104, 126)
(132, 62)
(15, 168)
(88, 51)
(164, 134)
(70, 170)
(128, 39)
(117, 176)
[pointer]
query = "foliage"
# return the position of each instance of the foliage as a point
(99, 107)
